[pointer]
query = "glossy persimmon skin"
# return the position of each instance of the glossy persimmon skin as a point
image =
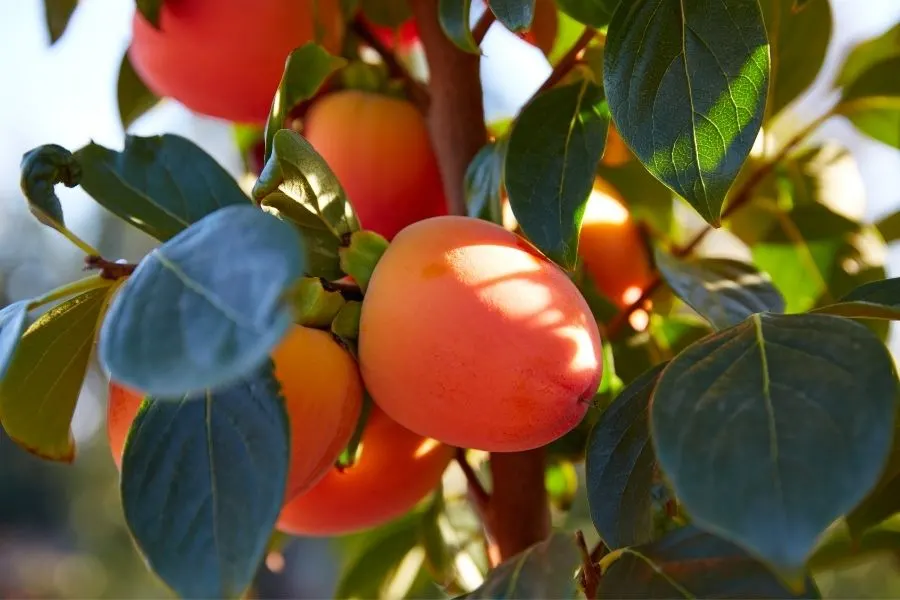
(395, 471)
(470, 336)
(225, 58)
(322, 392)
(379, 149)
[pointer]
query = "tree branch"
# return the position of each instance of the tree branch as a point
(484, 23)
(568, 61)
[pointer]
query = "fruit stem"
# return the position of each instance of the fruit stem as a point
(518, 514)
(477, 494)
(568, 61)
(590, 578)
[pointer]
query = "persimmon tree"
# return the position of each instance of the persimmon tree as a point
(735, 414)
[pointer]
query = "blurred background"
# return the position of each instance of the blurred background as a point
(62, 533)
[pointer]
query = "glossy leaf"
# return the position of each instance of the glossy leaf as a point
(868, 54)
(299, 186)
(554, 148)
(306, 70)
(203, 480)
(56, 15)
(799, 40)
(160, 184)
(516, 15)
(620, 464)
(453, 16)
(690, 563)
(484, 182)
(721, 290)
(687, 83)
(133, 96)
(875, 300)
(43, 382)
(544, 570)
(42, 168)
(207, 307)
(596, 13)
(13, 319)
(753, 429)
(151, 10)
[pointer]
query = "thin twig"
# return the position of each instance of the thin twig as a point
(484, 23)
(590, 578)
(417, 92)
(568, 61)
(477, 493)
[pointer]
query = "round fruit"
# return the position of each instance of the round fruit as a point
(470, 336)
(612, 248)
(322, 393)
(225, 58)
(395, 471)
(379, 149)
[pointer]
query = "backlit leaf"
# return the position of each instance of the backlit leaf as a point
(596, 13)
(867, 54)
(453, 16)
(133, 96)
(872, 102)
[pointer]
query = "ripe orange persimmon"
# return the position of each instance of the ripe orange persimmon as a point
(395, 471)
(224, 58)
(611, 246)
(379, 149)
(470, 336)
(617, 152)
(322, 393)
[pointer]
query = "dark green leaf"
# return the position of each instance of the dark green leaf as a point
(690, 563)
(57, 14)
(879, 80)
(134, 98)
(42, 384)
(544, 570)
(874, 300)
(160, 184)
(151, 10)
(799, 40)
(42, 168)
(205, 308)
(306, 69)
(13, 319)
(620, 464)
(687, 82)
(884, 500)
(386, 13)
(554, 148)
(889, 227)
(484, 182)
(203, 481)
(867, 54)
(454, 19)
(721, 290)
(299, 186)
(754, 430)
(596, 13)
(516, 15)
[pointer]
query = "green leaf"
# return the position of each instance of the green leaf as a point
(867, 54)
(753, 429)
(620, 464)
(133, 96)
(872, 102)
(43, 382)
(13, 319)
(160, 184)
(298, 185)
(889, 227)
(554, 148)
(842, 549)
(884, 500)
(42, 168)
(516, 15)
(799, 40)
(205, 308)
(203, 480)
(544, 570)
(151, 10)
(873, 300)
(690, 563)
(484, 182)
(453, 16)
(879, 80)
(386, 13)
(56, 15)
(307, 68)
(721, 290)
(596, 13)
(687, 82)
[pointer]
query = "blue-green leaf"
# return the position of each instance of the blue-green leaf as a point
(205, 308)
(203, 481)
(687, 83)
(554, 148)
(160, 184)
(13, 319)
(453, 16)
(484, 182)
(873, 300)
(753, 428)
(516, 15)
(620, 464)
(42, 168)
(721, 290)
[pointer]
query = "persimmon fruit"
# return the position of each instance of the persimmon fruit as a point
(395, 471)
(470, 336)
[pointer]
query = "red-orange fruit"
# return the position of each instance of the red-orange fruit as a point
(225, 58)
(379, 149)
(470, 336)
(395, 471)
